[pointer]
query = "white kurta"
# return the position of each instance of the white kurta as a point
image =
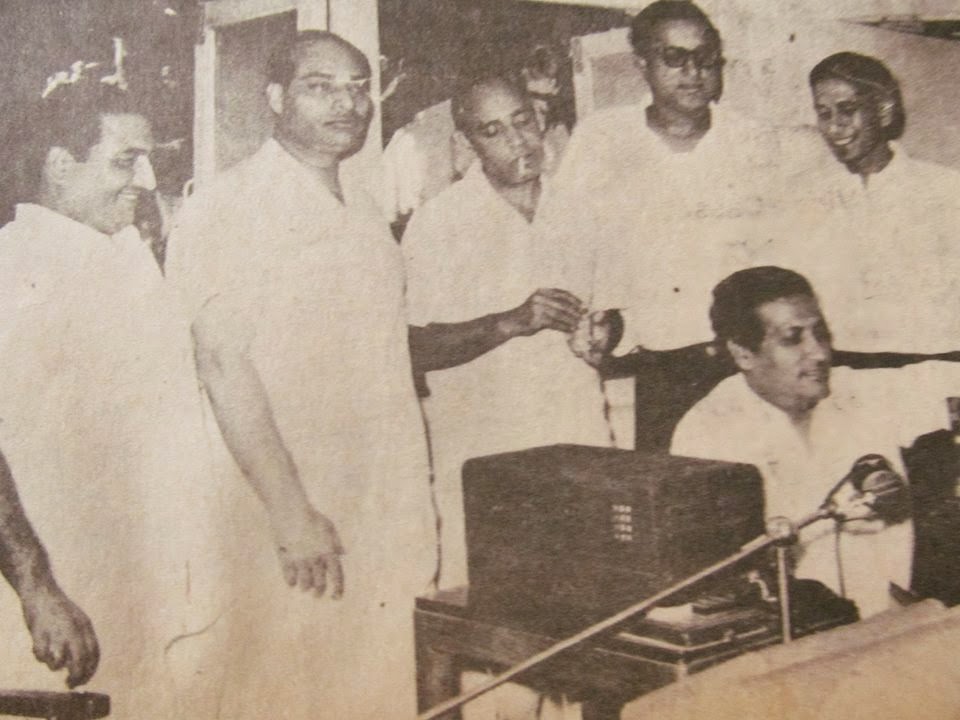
(868, 411)
(101, 421)
(316, 288)
(470, 253)
(664, 226)
(883, 257)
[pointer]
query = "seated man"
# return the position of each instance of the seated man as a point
(804, 425)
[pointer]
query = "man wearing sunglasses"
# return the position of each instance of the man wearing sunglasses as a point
(667, 192)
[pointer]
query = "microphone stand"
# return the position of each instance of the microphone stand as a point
(780, 532)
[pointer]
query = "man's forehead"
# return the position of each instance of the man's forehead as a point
(789, 312)
(126, 130)
(685, 33)
(496, 101)
(328, 58)
(835, 89)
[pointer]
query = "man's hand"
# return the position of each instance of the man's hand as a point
(546, 309)
(62, 634)
(596, 335)
(309, 550)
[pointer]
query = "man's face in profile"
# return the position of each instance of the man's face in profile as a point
(684, 67)
(791, 367)
(501, 125)
(327, 106)
(103, 190)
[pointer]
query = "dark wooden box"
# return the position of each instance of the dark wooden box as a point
(587, 531)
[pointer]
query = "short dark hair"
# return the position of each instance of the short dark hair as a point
(870, 77)
(68, 116)
(733, 314)
(643, 28)
(282, 64)
(461, 104)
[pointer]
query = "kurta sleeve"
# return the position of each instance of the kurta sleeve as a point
(209, 266)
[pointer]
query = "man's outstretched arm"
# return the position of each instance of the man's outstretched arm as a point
(438, 346)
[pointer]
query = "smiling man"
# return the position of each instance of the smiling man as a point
(804, 426)
(295, 288)
(99, 414)
(890, 217)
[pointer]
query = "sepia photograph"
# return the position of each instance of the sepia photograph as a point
(480, 359)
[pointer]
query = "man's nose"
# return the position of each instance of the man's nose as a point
(143, 175)
(516, 139)
(836, 125)
(817, 348)
(343, 98)
(691, 66)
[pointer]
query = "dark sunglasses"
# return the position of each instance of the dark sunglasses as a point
(703, 58)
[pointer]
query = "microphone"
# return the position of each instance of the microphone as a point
(878, 487)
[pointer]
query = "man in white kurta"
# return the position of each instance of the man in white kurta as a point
(666, 193)
(100, 416)
(471, 254)
(296, 287)
(804, 427)
(873, 228)
(881, 252)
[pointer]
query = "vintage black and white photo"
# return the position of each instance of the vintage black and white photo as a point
(480, 359)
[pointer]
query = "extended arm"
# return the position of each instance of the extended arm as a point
(443, 345)
(307, 542)
(62, 634)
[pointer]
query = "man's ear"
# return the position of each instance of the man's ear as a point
(58, 166)
(463, 153)
(275, 95)
(743, 357)
(640, 63)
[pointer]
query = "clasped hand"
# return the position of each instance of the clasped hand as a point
(591, 334)
(309, 551)
(62, 634)
(546, 309)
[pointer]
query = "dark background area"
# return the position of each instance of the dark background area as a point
(439, 40)
(42, 37)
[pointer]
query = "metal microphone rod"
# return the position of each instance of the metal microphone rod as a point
(755, 545)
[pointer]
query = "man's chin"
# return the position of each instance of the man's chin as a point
(346, 146)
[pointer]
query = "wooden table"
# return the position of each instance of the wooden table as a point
(603, 676)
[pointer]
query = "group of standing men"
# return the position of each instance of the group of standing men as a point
(307, 321)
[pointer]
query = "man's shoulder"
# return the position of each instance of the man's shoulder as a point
(719, 424)
(864, 387)
(232, 198)
(614, 118)
(935, 175)
(252, 171)
(456, 204)
(728, 400)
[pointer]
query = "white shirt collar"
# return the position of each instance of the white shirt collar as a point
(59, 225)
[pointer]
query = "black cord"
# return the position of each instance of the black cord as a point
(839, 556)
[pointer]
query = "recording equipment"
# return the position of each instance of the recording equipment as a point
(579, 529)
(581, 532)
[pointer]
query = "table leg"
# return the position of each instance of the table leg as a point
(438, 679)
